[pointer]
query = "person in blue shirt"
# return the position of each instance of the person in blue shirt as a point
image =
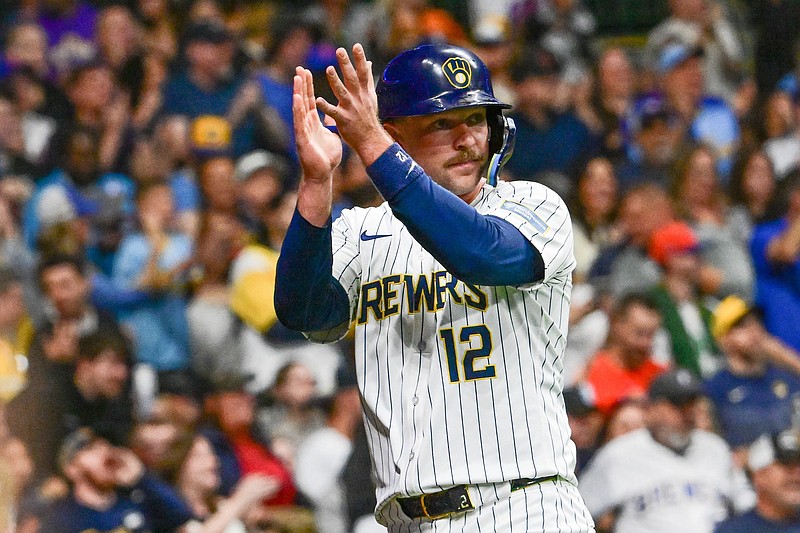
(110, 491)
(211, 85)
(774, 464)
(87, 188)
(292, 41)
(775, 249)
(706, 119)
(155, 261)
(752, 395)
(560, 139)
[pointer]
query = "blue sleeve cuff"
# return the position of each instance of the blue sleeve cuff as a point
(393, 171)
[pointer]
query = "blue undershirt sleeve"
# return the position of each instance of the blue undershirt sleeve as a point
(307, 296)
(475, 248)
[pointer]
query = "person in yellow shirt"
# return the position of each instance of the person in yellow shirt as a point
(16, 334)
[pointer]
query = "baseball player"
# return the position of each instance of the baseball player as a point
(458, 288)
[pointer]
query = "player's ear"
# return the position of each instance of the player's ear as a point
(393, 131)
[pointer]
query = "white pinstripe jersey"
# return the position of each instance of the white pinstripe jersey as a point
(459, 383)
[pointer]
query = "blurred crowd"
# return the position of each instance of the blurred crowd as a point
(148, 175)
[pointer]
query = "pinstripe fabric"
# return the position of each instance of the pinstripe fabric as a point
(460, 384)
(554, 507)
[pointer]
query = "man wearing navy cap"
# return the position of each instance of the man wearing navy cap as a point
(774, 464)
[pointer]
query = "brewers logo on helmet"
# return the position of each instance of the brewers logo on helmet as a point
(439, 77)
(458, 72)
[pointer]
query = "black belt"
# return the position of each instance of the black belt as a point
(454, 500)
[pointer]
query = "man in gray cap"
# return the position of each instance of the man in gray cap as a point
(668, 476)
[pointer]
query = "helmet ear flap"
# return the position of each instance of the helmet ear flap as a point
(502, 133)
(496, 122)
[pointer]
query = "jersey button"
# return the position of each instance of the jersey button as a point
(422, 345)
(415, 400)
(411, 455)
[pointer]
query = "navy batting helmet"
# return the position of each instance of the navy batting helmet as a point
(439, 77)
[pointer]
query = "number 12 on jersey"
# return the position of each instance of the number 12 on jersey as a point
(483, 350)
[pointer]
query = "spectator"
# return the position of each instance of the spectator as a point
(292, 41)
(267, 344)
(704, 206)
(233, 410)
(594, 213)
(18, 153)
(215, 331)
(262, 178)
(98, 105)
(778, 115)
(209, 85)
(16, 335)
(706, 24)
(158, 28)
(291, 414)
(784, 150)
(341, 23)
(565, 28)
(751, 193)
(151, 161)
(29, 499)
(627, 416)
(191, 467)
(687, 322)
(667, 476)
(155, 260)
(97, 397)
(775, 250)
(626, 267)
(706, 119)
(216, 177)
(69, 316)
(612, 102)
(152, 439)
(594, 228)
(26, 46)
(103, 482)
(755, 392)
(119, 44)
(70, 29)
(323, 454)
(653, 142)
(562, 140)
(626, 367)
(585, 423)
(82, 181)
(171, 148)
(494, 44)
(774, 464)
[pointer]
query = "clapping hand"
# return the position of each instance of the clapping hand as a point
(319, 149)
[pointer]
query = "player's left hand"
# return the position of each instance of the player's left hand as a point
(356, 114)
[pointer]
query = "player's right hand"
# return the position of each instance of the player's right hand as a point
(319, 149)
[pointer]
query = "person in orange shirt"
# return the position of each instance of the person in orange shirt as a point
(625, 368)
